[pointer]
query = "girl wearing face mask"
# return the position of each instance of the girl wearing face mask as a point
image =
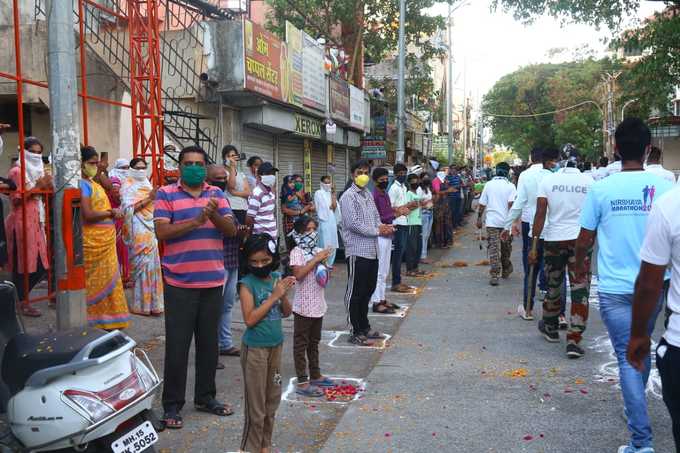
(309, 306)
(30, 236)
(326, 204)
(264, 302)
(137, 196)
(292, 202)
(106, 304)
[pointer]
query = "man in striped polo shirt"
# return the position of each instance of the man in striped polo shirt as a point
(261, 215)
(192, 218)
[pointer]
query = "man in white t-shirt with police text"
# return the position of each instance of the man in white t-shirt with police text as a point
(560, 199)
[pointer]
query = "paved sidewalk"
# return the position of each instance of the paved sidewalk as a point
(464, 373)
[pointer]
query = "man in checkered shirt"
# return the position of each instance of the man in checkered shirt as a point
(360, 230)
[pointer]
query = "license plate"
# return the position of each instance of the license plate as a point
(137, 440)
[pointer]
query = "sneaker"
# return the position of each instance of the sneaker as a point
(574, 351)
(562, 320)
(523, 313)
(359, 340)
(629, 449)
(552, 336)
(493, 281)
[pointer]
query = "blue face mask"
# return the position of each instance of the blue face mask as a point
(556, 168)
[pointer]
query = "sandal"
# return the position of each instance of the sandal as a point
(215, 407)
(322, 382)
(374, 335)
(360, 340)
(231, 352)
(392, 305)
(30, 312)
(383, 309)
(309, 390)
(172, 420)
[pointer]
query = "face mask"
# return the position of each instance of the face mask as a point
(90, 170)
(221, 184)
(441, 175)
(401, 179)
(193, 175)
(383, 185)
(556, 168)
(298, 186)
(414, 185)
(361, 180)
(308, 241)
(261, 272)
(326, 187)
(268, 180)
(139, 175)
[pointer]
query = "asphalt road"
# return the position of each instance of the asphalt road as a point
(461, 373)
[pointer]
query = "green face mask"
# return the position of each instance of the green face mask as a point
(298, 186)
(193, 175)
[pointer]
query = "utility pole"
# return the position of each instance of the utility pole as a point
(449, 89)
(64, 118)
(401, 82)
(610, 83)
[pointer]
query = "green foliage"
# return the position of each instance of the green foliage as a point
(379, 22)
(547, 88)
(651, 79)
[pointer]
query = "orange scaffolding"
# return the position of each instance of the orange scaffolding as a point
(141, 17)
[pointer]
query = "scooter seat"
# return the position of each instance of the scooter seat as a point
(25, 354)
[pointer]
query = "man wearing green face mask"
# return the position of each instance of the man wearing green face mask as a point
(192, 218)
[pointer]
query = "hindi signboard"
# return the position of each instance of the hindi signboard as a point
(313, 74)
(264, 60)
(294, 64)
(339, 96)
(373, 148)
(357, 109)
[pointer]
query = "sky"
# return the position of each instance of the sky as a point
(489, 45)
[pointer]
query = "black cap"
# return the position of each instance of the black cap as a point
(266, 168)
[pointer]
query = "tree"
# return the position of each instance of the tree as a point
(365, 29)
(657, 72)
(519, 107)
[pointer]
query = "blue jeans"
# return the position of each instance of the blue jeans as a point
(426, 215)
(399, 243)
(454, 206)
(225, 339)
(616, 311)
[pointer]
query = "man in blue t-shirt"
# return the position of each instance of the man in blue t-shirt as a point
(454, 182)
(616, 210)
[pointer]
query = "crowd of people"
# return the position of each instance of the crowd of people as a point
(222, 241)
(564, 209)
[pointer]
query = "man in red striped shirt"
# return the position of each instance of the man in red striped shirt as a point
(192, 218)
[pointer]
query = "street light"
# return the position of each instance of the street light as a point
(625, 106)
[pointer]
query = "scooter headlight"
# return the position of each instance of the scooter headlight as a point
(90, 403)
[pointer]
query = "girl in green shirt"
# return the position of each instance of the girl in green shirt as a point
(264, 302)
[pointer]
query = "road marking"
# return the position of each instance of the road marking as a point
(336, 334)
(292, 397)
(608, 372)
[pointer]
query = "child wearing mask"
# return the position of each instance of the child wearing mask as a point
(264, 302)
(309, 306)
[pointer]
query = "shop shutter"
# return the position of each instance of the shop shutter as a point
(256, 142)
(341, 170)
(319, 164)
(291, 156)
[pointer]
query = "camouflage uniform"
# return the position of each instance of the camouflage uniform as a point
(499, 253)
(559, 256)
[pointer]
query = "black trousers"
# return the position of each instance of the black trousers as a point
(190, 313)
(414, 245)
(669, 369)
(362, 275)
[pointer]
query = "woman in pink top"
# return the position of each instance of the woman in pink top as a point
(35, 240)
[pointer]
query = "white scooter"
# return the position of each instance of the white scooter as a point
(85, 390)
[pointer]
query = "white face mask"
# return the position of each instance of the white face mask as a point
(441, 175)
(139, 175)
(326, 187)
(268, 180)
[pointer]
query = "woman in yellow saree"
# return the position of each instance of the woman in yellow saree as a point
(106, 305)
